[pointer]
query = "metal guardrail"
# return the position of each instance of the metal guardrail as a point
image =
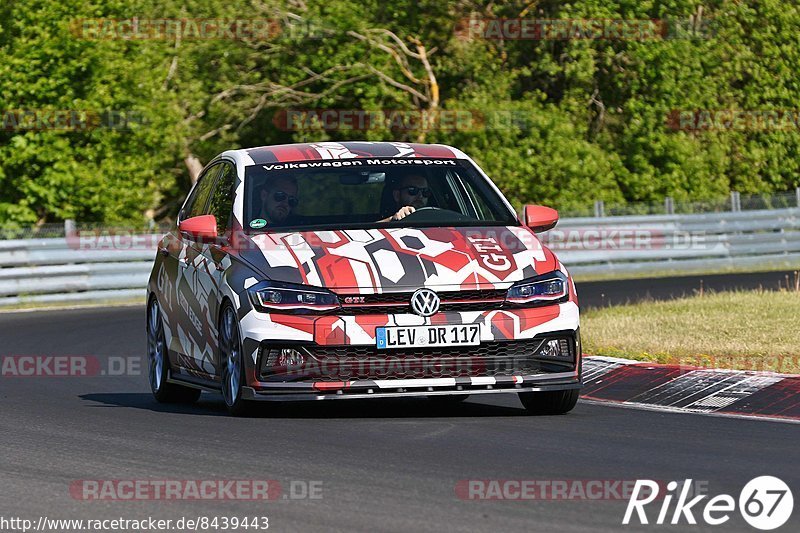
(636, 244)
(734, 201)
(40, 271)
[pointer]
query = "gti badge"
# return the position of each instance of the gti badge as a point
(424, 302)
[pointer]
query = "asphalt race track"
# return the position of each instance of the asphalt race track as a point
(383, 465)
(616, 292)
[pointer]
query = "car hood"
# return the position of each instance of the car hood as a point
(402, 259)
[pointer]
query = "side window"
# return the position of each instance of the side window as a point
(222, 198)
(477, 200)
(454, 184)
(196, 205)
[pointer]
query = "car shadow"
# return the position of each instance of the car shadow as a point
(212, 405)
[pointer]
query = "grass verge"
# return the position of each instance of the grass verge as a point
(788, 266)
(742, 330)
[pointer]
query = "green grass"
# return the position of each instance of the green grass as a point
(666, 273)
(754, 330)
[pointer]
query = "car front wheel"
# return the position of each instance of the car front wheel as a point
(231, 363)
(550, 402)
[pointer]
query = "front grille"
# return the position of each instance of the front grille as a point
(343, 363)
(399, 302)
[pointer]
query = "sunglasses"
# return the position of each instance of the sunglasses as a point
(280, 196)
(414, 191)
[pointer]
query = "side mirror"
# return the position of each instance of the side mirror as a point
(200, 228)
(540, 218)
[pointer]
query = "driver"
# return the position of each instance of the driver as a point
(410, 193)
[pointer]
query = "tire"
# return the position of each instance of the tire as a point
(231, 362)
(551, 402)
(158, 362)
(448, 399)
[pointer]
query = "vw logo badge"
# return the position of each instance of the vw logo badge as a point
(424, 302)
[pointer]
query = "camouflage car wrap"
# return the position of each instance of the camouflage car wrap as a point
(373, 273)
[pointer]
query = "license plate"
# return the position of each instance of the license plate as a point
(427, 336)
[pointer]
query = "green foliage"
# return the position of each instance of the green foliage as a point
(561, 122)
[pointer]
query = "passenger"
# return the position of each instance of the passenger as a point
(278, 199)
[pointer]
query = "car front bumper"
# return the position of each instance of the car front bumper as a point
(503, 363)
(410, 388)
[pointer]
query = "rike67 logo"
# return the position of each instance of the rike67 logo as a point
(765, 503)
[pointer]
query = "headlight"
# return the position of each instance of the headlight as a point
(546, 288)
(283, 297)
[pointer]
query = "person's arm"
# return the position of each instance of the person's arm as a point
(402, 213)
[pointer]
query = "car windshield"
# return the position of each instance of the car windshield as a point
(366, 192)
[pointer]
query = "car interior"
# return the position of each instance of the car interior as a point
(350, 197)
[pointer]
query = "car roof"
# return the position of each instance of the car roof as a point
(283, 153)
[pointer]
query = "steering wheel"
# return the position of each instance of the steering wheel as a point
(437, 216)
(422, 210)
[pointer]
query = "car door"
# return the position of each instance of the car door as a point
(207, 263)
(191, 295)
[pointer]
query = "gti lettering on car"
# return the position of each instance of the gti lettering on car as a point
(490, 253)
